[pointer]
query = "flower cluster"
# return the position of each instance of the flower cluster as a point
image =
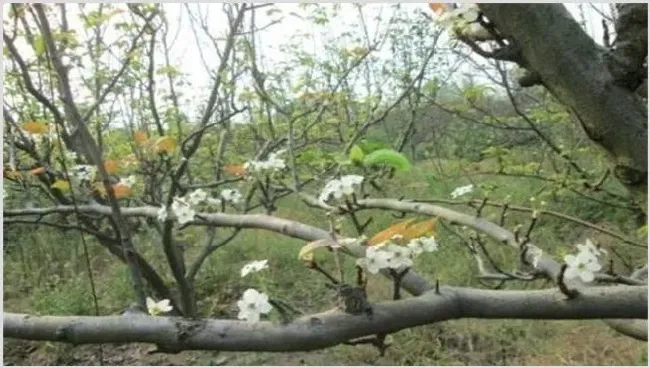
(183, 210)
(392, 255)
(340, 188)
(183, 207)
(196, 197)
(460, 191)
(231, 196)
(84, 172)
(272, 163)
(585, 264)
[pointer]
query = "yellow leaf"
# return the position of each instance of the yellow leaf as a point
(61, 185)
(165, 144)
(306, 253)
(35, 127)
(98, 187)
(420, 229)
(122, 190)
(111, 166)
(390, 232)
(141, 138)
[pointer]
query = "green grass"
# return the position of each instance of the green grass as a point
(47, 276)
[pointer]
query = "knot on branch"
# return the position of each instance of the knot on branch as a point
(529, 79)
(629, 175)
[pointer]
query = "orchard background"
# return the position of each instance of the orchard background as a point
(160, 161)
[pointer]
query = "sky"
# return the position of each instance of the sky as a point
(189, 53)
(268, 40)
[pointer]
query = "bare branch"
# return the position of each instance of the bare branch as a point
(330, 328)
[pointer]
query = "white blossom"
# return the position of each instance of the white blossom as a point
(156, 308)
(272, 163)
(584, 265)
(84, 172)
(340, 188)
(591, 248)
(70, 156)
(183, 211)
(430, 244)
(231, 195)
(129, 181)
(374, 260)
(254, 266)
(162, 214)
(252, 304)
(197, 196)
(419, 245)
(462, 191)
(400, 256)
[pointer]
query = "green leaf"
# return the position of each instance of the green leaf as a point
(39, 46)
(356, 154)
(388, 157)
(368, 145)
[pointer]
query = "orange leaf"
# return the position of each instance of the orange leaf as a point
(438, 8)
(141, 138)
(35, 127)
(388, 233)
(420, 229)
(122, 190)
(111, 166)
(165, 144)
(37, 171)
(237, 170)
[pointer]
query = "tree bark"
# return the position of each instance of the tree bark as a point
(579, 73)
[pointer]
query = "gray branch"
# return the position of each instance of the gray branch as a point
(331, 328)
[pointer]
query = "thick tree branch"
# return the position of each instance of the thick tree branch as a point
(331, 328)
(574, 68)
